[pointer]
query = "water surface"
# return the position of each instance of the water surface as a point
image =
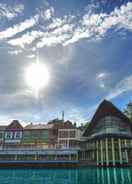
(66, 176)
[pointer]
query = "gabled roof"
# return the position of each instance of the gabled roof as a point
(38, 126)
(14, 125)
(106, 108)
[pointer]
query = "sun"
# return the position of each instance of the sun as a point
(37, 76)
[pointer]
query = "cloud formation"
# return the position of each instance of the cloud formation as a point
(74, 45)
(123, 86)
(68, 30)
(10, 12)
(18, 28)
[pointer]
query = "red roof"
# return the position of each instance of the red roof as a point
(106, 108)
(14, 125)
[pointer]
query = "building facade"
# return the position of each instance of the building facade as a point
(36, 135)
(69, 138)
(64, 134)
(2, 132)
(108, 138)
(13, 134)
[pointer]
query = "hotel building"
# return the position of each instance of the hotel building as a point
(108, 137)
(106, 141)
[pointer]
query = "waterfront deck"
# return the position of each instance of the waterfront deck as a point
(35, 157)
(39, 163)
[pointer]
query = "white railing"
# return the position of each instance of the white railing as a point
(23, 151)
(112, 132)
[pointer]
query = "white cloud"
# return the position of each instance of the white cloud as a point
(102, 85)
(68, 29)
(48, 13)
(57, 32)
(31, 56)
(80, 115)
(121, 87)
(97, 25)
(6, 120)
(56, 22)
(15, 52)
(52, 40)
(101, 75)
(10, 12)
(27, 38)
(59, 22)
(18, 28)
(57, 36)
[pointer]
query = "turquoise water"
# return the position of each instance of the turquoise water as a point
(66, 176)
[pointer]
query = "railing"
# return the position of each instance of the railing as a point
(31, 151)
(37, 149)
(112, 132)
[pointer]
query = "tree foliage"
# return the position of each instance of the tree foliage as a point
(128, 111)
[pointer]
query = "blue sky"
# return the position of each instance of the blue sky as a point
(86, 46)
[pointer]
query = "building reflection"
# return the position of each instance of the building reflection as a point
(114, 176)
(67, 176)
(41, 176)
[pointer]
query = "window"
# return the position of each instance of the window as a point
(73, 134)
(8, 135)
(35, 134)
(111, 124)
(1, 135)
(18, 135)
(27, 134)
(45, 133)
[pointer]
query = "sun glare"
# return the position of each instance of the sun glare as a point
(37, 76)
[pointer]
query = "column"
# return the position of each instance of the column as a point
(81, 155)
(16, 157)
(113, 151)
(97, 153)
(93, 148)
(98, 176)
(107, 156)
(101, 143)
(120, 154)
(126, 153)
(102, 175)
(122, 176)
(84, 155)
(131, 143)
(77, 156)
(36, 156)
(115, 176)
(108, 176)
(129, 176)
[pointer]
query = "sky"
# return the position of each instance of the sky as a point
(86, 46)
